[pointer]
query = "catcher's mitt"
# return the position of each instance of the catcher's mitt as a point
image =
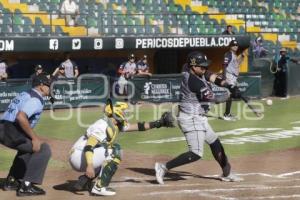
(167, 120)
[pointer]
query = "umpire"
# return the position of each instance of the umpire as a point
(17, 132)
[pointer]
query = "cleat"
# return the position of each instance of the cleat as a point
(102, 191)
(160, 171)
(11, 184)
(229, 117)
(30, 190)
(231, 178)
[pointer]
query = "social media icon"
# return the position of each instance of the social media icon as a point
(53, 44)
(119, 43)
(76, 44)
(98, 43)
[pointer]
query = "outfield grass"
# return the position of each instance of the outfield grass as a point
(279, 115)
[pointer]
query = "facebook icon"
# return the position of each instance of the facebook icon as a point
(53, 44)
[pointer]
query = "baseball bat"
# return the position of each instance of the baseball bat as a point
(257, 114)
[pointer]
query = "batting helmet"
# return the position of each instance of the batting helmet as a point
(233, 43)
(131, 56)
(37, 67)
(197, 58)
(116, 111)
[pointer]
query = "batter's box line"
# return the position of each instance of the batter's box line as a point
(226, 190)
(279, 176)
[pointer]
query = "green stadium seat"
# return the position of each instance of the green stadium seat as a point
(141, 30)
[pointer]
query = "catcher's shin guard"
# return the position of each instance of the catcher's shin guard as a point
(107, 173)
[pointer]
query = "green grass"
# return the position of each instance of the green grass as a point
(279, 115)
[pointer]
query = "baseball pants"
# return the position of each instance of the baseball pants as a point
(196, 131)
(78, 162)
(27, 165)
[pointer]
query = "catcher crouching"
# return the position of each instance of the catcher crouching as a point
(96, 154)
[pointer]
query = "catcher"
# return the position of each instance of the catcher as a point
(96, 154)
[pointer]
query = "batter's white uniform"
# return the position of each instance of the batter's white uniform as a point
(101, 153)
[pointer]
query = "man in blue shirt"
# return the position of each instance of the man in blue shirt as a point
(17, 132)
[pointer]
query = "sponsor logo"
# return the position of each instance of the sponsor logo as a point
(53, 44)
(7, 45)
(119, 43)
(147, 87)
(76, 44)
(98, 43)
(182, 42)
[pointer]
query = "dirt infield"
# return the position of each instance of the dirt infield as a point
(273, 175)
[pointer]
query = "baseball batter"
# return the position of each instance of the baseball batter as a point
(96, 152)
(196, 96)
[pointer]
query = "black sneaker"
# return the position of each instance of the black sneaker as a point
(83, 183)
(11, 184)
(30, 190)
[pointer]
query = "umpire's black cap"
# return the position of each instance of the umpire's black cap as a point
(197, 58)
(41, 79)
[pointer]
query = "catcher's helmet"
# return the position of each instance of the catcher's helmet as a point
(197, 58)
(116, 111)
(233, 43)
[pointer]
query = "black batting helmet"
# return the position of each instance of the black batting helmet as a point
(131, 56)
(233, 43)
(37, 67)
(197, 58)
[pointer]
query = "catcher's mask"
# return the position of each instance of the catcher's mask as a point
(116, 111)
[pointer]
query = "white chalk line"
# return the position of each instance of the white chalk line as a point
(296, 122)
(293, 196)
(283, 178)
(206, 192)
(279, 176)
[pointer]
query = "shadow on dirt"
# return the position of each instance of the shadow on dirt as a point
(69, 187)
(170, 175)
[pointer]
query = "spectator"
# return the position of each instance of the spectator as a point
(143, 67)
(70, 67)
(228, 30)
(60, 74)
(126, 71)
(280, 81)
(3, 70)
(258, 50)
(37, 70)
(71, 11)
